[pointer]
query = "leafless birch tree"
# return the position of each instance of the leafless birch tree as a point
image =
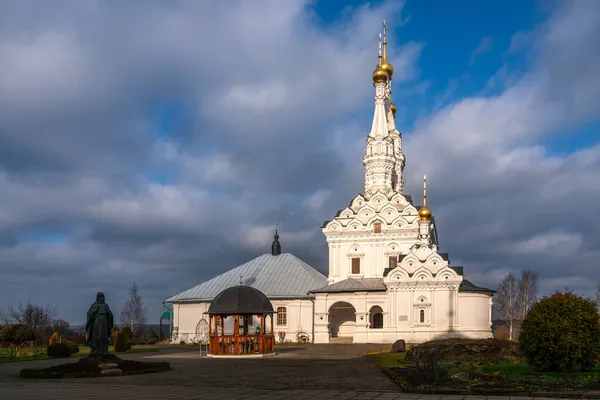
(507, 301)
(134, 313)
(528, 290)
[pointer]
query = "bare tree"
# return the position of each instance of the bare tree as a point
(508, 302)
(134, 313)
(36, 318)
(60, 326)
(528, 285)
(598, 295)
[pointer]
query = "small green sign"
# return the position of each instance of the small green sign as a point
(166, 315)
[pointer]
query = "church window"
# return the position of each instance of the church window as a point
(392, 261)
(422, 316)
(281, 316)
(377, 227)
(356, 265)
(378, 321)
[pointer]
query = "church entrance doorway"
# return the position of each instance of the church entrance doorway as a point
(342, 320)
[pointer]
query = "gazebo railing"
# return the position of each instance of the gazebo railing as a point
(243, 344)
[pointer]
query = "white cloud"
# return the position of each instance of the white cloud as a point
(272, 141)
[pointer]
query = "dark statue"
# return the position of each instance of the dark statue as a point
(99, 325)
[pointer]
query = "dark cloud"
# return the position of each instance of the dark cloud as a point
(263, 117)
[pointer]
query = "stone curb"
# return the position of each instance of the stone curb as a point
(491, 392)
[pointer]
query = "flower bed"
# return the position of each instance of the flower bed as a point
(91, 367)
(486, 367)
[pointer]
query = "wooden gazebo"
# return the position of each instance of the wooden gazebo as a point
(240, 305)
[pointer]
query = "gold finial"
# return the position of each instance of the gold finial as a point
(424, 212)
(393, 107)
(380, 75)
(379, 52)
(384, 40)
(385, 65)
(424, 190)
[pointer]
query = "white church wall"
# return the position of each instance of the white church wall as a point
(444, 309)
(299, 318)
(373, 251)
(185, 319)
(476, 320)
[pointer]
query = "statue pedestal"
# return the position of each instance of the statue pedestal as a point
(107, 358)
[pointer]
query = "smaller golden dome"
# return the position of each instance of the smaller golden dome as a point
(393, 108)
(380, 75)
(424, 214)
(387, 67)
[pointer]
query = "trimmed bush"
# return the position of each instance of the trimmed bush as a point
(561, 333)
(120, 342)
(58, 350)
(128, 334)
(152, 341)
(54, 338)
(73, 347)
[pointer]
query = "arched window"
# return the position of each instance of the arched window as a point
(376, 317)
(281, 316)
(378, 321)
(422, 316)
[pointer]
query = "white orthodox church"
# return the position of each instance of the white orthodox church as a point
(386, 280)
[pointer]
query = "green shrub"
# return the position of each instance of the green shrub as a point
(58, 350)
(561, 333)
(128, 334)
(120, 343)
(7, 333)
(24, 334)
(73, 347)
(431, 364)
(16, 333)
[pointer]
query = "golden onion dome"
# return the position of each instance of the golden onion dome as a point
(393, 108)
(387, 67)
(424, 213)
(380, 75)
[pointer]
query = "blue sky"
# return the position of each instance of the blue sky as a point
(160, 144)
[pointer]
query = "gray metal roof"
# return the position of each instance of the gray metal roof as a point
(467, 286)
(354, 285)
(282, 276)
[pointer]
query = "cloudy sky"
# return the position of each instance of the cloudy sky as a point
(159, 141)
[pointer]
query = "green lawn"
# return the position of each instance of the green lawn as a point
(389, 360)
(26, 354)
(503, 375)
(524, 369)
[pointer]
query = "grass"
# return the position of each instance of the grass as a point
(508, 375)
(386, 360)
(27, 356)
(524, 369)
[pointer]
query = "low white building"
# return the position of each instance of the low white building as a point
(386, 279)
(283, 278)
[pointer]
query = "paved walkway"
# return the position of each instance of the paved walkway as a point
(315, 372)
(90, 391)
